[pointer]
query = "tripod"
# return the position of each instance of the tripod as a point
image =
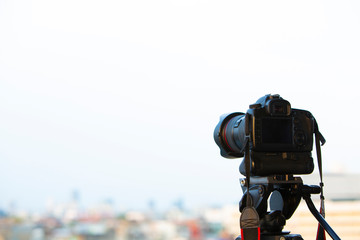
(285, 192)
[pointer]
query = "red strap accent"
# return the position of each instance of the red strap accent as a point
(242, 234)
(320, 233)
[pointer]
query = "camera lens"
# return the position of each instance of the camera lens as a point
(229, 135)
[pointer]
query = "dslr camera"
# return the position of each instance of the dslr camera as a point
(280, 137)
(276, 141)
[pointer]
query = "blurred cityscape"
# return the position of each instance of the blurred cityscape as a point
(68, 222)
(71, 221)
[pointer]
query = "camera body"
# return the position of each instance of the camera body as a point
(280, 137)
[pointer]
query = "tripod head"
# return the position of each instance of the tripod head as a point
(285, 192)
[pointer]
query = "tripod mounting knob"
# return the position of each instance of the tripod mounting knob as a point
(310, 189)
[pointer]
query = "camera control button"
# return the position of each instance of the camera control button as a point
(300, 138)
(254, 106)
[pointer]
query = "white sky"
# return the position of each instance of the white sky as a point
(119, 99)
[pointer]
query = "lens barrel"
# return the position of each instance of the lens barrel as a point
(229, 135)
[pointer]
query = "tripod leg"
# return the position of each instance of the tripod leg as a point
(320, 219)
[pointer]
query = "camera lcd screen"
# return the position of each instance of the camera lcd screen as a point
(276, 130)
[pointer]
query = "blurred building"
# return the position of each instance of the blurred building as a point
(66, 221)
(338, 186)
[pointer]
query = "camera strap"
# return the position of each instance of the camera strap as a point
(319, 138)
(249, 219)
